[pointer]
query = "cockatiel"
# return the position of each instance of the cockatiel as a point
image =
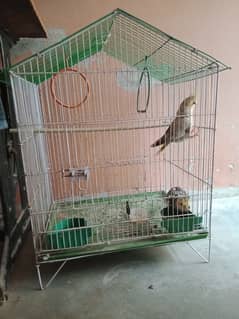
(181, 126)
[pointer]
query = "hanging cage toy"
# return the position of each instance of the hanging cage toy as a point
(57, 99)
(144, 73)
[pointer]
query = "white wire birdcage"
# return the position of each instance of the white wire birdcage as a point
(88, 109)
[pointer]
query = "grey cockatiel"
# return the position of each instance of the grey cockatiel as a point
(181, 126)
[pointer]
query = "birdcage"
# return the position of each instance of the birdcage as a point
(88, 111)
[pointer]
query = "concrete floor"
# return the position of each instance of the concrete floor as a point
(117, 286)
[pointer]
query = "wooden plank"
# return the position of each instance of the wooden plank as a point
(18, 19)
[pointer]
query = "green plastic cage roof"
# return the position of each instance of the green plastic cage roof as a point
(128, 39)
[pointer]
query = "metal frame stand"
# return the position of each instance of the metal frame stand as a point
(208, 257)
(42, 286)
(63, 262)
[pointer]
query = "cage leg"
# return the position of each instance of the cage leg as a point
(209, 248)
(39, 277)
(206, 260)
(51, 278)
(55, 274)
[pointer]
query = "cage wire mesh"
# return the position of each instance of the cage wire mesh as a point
(88, 109)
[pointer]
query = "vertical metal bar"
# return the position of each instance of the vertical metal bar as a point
(212, 169)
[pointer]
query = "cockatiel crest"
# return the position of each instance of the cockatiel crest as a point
(181, 126)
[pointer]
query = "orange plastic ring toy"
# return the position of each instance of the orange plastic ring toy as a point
(53, 92)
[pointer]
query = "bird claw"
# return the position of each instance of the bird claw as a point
(194, 132)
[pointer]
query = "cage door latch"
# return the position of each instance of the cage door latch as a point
(80, 173)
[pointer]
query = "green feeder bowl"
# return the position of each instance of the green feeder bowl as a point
(65, 237)
(182, 223)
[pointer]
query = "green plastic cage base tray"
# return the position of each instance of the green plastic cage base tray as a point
(62, 236)
(102, 249)
(182, 223)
